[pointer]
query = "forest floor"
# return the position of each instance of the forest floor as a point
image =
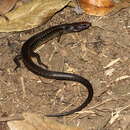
(100, 54)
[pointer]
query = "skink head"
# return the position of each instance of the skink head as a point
(77, 27)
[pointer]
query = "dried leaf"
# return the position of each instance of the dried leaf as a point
(103, 7)
(31, 14)
(6, 5)
(97, 7)
(35, 122)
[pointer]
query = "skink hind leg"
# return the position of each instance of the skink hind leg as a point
(37, 56)
(17, 61)
(59, 36)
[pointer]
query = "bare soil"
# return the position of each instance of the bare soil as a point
(101, 54)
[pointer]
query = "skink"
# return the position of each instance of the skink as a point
(37, 40)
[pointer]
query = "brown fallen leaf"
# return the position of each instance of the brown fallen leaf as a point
(103, 7)
(31, 14)
(35, 122)
(6, 5)
(96, 7)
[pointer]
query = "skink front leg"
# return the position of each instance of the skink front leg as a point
(17, 61)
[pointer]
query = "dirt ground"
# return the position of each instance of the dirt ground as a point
(101, 54)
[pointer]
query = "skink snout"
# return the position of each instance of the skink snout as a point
(80, 26)
(85, 25)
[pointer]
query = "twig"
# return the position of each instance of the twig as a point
(23, 87)
(11, 118)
